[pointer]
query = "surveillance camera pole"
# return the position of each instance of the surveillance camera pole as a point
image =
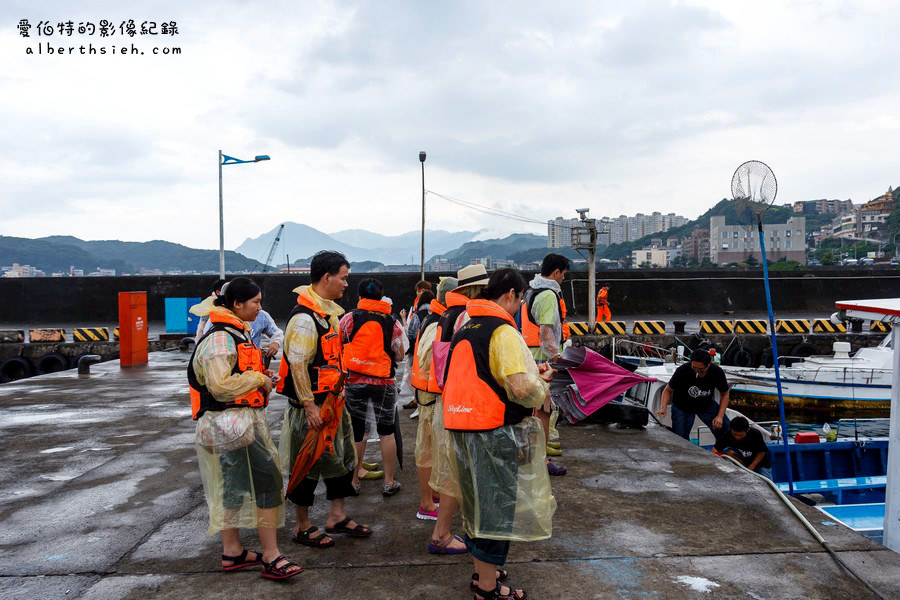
(585, 238)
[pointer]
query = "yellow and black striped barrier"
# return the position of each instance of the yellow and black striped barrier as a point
(826, 326)
(649, 327)
(611, 328)
(580, 328)
(90, 334)
(116, 333)
(879, 326)
(750, 326)
(792, 326)
(716, 327)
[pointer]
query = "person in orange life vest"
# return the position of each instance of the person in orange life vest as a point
(427, 393)
(417, 313)
(238, 459)
(603, 312)
(497, 447)
(543, 326)
(311, 365)
(442, 540)
(373, 345)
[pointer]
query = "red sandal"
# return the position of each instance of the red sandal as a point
(241, 561)
(273, 571)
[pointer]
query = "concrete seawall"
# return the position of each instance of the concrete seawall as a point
(634, 292)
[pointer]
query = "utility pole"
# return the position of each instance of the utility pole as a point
(585, 238)
(422, 160)
(221, 224)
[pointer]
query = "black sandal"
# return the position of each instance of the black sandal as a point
(241, 561)
(273, 571)
(495, 594)
(360, 531)
(502, 576)
(305, 538)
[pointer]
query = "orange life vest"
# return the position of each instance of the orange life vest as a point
(473, 399)
(418, 379)
(602, 297)
(326, 369)
(530, 330)
(249, 358)
(368, 350)
(456, 305)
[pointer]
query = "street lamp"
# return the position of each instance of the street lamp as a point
(422, 160)
(224, 159)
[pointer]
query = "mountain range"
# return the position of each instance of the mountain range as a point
(300, 241)
(59, 253)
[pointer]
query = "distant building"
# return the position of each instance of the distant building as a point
(868, 222)
(629, 229)
(655, 257)
(820, 207)
(17, 270)
(736, 243)
(695, 248)
(103, 273)
(559, 232)
(441, 265)
(396, 269)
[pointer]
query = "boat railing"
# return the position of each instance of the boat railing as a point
(621, 347)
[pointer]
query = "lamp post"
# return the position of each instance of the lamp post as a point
(422, 160)
(224, 159)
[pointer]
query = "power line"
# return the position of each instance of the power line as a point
(496, 212)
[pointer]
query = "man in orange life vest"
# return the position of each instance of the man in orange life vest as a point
(603, 312)
(311, 367)
(544, 328)
(373, 345)
(417, 313)
(492, 387)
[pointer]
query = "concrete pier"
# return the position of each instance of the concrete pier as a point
(102, 499)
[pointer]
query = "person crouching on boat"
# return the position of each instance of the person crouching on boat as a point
(746, 444)
(229, 390)
(691, 391)
(497, 446)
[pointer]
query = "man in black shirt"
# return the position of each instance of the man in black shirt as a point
(748, 446)
(693, 388)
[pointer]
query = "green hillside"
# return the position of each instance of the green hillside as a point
(59, 253)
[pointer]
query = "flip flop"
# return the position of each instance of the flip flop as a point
(241, 561)
(442, 547)
(360, 531)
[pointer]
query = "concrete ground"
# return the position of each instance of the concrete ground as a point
(102, 499)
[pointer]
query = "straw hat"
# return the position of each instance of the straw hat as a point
(472, 275)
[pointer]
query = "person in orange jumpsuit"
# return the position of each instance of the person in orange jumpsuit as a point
(603, 312)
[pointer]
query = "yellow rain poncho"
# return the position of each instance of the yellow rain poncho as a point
(237, 456)
(440, 480)
(300, 342)
(503, 485)
(424, 436)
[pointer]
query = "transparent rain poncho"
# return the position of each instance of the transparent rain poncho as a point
(293, 432)
(503, 484)
(239, 481)
(424, 431)
(441, 480)
(237, 456)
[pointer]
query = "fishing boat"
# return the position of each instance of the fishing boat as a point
(834, 382)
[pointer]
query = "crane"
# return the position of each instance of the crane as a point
(273, 248)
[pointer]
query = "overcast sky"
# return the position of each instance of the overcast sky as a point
(536, 108)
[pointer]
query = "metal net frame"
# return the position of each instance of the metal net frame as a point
(754, 187)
